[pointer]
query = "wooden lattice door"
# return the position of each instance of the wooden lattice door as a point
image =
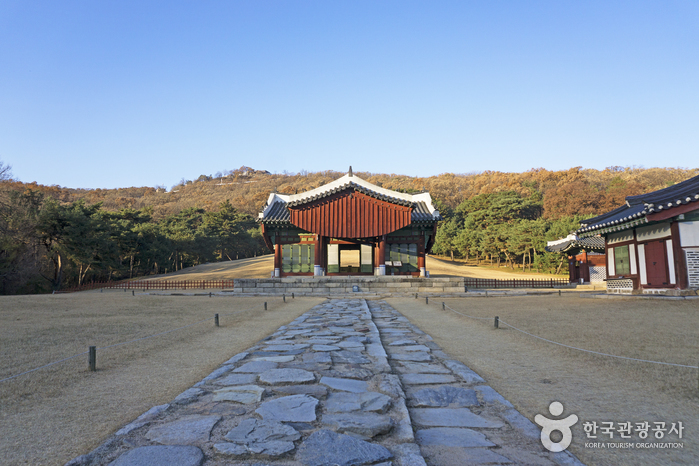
(656, 263)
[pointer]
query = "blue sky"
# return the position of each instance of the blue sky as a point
(143, 93)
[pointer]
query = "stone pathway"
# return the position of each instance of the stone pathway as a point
(348, 383)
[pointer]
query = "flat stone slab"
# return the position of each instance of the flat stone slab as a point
(451, 417)
(236, 358)
(286, 347)
(348, 385)
(458, 455)
(325, 448)
(402, 342)
(188, 395)
(187, 429)
(230, 449)
(452, 437)
(417, 356)
(322, 341)
(237, 379)
(410, 348)
(316, 358)
(345, 402)
(256, 431)
(275, 358)
(313, 390)
(325, 348)
(421, 368)
(424, 379)
(271, 448)
(280, 376)
(158, 455)
(256, 366)
(444, 396)
(348, 357)
(294, 408)
(350, 344)
(341, 372)
(365, 424)
(244, 394)
(464, 372)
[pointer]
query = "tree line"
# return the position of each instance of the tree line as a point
(503, 227)
(47, 245)
(51, 236)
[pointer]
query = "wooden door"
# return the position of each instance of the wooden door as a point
(656, 264)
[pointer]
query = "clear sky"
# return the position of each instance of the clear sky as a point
(143, 93)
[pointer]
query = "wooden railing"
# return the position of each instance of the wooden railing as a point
(514, 283)
(174, 284)
(154, 285)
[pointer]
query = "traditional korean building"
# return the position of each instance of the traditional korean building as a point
(652, 241)
(586, 260)
(349, 227)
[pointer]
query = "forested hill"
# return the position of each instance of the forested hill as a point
(563, 193)
(52, 237)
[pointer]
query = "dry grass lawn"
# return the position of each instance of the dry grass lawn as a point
(253, 267)
(260, 267)
(531, 373)
(440, 267)
(54, 414)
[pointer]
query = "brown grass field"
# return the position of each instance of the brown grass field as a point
(531, 373)
(57, 413)
(54, 414)
(260, 267)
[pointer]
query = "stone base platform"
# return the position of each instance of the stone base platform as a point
(367, 286)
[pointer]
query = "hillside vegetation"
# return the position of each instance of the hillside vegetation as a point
(51, 236)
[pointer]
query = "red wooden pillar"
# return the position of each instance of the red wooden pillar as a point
(318, 264)
(585, 267)
(382, 255)
(421, 256)
(277, 256)
(681, 275)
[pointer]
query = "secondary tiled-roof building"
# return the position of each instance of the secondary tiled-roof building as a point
(586, 260)
(652, 241)
(349, 227)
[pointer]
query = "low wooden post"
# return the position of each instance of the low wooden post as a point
(497, 322)
(133, 292)
(284, 297)
(92, 358)
(443, 305)
(216, 320)
(427, 300)
(265, 305)
(292, 295)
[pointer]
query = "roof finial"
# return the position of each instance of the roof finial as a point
(350, 171)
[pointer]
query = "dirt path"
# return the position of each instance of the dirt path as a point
(55, 414)
(531, 374)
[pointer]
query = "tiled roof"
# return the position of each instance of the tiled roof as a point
(593, 243)
(350, 184)
(638, 207)
(276, 210)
